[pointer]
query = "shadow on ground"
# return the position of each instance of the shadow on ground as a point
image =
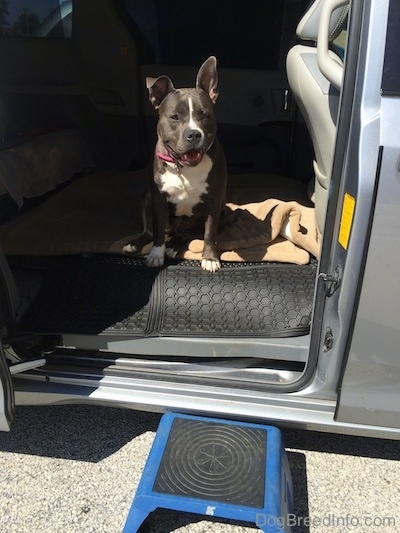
(78, 432)
(92, 433)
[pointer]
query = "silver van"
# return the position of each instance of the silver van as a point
(301, 330)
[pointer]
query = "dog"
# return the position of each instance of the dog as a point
(187, 188)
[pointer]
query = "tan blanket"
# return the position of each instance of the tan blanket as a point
(272, 230)
(101, 213)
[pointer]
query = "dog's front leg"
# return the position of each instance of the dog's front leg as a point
(210, 258)
(156, 256)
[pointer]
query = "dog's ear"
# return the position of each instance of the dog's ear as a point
(207, 78)
(158, 89)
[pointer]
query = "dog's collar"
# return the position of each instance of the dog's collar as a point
(167, 158)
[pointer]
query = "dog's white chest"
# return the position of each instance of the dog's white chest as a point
(185, 189)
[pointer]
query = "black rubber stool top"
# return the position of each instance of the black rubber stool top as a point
(214, 461)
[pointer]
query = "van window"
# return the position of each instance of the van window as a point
(185, 32)
(339, 44)
(36, 18)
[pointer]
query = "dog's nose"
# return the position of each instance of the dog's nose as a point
(193, 136)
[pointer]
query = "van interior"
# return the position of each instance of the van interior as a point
(77, 132)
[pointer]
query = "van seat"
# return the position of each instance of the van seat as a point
(316, 95)
(39, 165)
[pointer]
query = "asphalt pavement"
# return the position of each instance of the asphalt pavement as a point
(75, 468)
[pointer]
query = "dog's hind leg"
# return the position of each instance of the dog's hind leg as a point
(156, 256)
(135, 246)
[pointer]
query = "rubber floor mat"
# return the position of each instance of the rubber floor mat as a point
(121, 295)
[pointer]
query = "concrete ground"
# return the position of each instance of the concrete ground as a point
(68, 469)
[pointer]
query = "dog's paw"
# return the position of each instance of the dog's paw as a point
(156, 256)
(211, 265)
(130, 249)
(171, 253)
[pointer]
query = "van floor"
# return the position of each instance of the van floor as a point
(110, 294)
(90, 292)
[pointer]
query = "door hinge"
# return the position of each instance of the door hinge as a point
(332, 281)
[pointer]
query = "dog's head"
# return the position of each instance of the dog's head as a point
(187, 124)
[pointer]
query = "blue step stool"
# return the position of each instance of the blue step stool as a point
(213, 467)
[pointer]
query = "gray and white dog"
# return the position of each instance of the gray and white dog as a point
(187, 187)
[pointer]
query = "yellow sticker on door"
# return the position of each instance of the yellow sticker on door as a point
(346, 221)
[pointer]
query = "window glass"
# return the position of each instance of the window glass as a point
(339, 44)
(36, 18)
(185, 32)
(391, 71)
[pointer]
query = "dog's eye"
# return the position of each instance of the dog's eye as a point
(174, 117)
(205, 115)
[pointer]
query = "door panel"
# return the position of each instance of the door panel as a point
(9, 303)
(6, 394)
(370, 389)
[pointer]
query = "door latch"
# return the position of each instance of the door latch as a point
(328, 340)
(332, 281)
